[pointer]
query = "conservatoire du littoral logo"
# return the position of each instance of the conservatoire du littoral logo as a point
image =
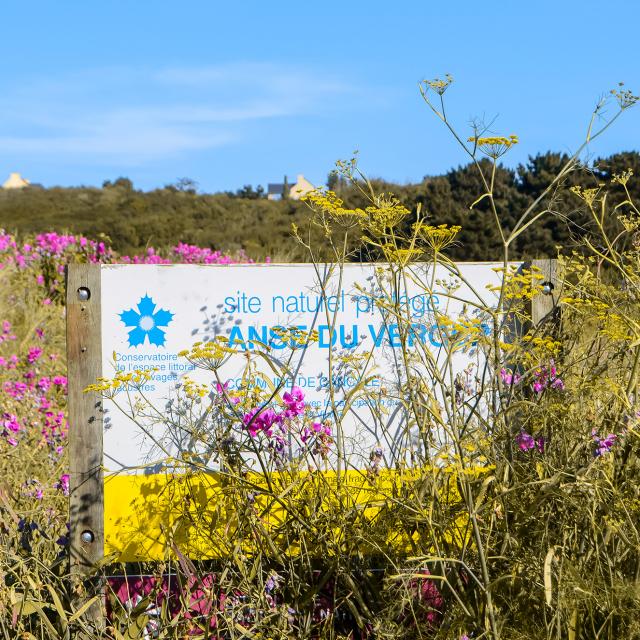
(146, 322)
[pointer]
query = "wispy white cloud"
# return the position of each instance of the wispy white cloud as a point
(135, 145)
(134, 116)
(251, 75)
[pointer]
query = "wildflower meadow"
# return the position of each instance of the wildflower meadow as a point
(511, 509)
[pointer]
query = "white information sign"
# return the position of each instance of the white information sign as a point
(150, 313)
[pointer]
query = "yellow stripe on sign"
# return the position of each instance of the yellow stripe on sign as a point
(212, 515)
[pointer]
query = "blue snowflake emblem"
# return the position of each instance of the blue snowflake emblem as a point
(146, 322)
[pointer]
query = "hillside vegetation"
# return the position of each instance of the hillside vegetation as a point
(133, 219)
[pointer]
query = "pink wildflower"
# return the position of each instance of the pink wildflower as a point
(509, 377)
(6, 332)
(547, 377)
(33, 489)
(603, 445)
(426, 592)
(60, 381)
(294, 402)
(255, 421)
(63, 484)
(16, 390)
(10, 422)
(34, 354)
(222, 389)
(318, 429)
(526, 442)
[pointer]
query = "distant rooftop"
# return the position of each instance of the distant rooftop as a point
(276, 189)
(295, 191)
(15, 181)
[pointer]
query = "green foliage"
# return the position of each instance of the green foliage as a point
(134, 219)
(248, 192)
(245, 219)
(448, 199)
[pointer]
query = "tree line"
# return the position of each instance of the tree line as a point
(133, 219)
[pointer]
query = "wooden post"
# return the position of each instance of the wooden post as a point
(543, 306)
(86, 498)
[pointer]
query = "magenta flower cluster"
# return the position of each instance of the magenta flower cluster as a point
(32, 387)
(527, 442)
(265, 420)
(50, 245)
(201, 602)
(426, 592)
(543, 377)
(6, 334)
(315, 429)
(276, 424)
(547, 377)
(195, 599)
(32, 399)
(48, 253)
(186, 254)
(261, 421)
(603, 445)
(192, 254)
(63, 484)
(509, 377)
(294, 402)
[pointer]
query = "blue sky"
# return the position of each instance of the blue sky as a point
(233, 93)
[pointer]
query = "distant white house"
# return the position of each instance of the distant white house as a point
(295, 191)
(15, 181)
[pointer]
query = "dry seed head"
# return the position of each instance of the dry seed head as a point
(624, 97)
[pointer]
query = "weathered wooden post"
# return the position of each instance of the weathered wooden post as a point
(543, 306)
(84, 363)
